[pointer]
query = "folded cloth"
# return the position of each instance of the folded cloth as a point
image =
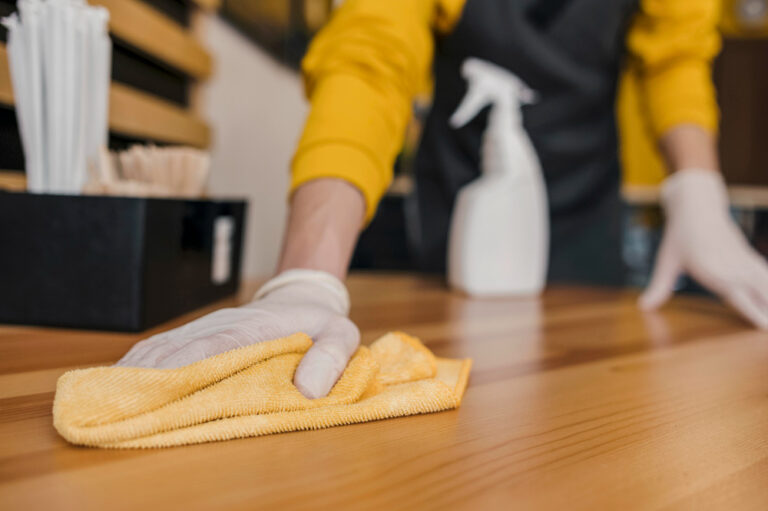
(249, 392)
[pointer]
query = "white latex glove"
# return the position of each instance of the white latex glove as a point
(308, 301)
(703, 241)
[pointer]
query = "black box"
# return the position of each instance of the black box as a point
(115, 263)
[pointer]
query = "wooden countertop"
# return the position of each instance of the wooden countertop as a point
(579, 402)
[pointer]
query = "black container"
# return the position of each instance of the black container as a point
(114, 263)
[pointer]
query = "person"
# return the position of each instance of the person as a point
(361, 73)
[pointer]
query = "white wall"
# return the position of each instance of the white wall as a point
(256, 109)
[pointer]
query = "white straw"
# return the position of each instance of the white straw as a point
(59, 54)
(17, 56)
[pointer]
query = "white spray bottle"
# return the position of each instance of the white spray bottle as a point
(499, 237)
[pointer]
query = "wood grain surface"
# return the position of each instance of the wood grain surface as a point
(577, 401)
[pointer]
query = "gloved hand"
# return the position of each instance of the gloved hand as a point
(308, 301)
(703, 241)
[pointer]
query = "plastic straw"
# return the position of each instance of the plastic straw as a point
(18, 61)
(60, 56)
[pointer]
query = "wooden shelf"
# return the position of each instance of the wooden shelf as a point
(157, 35)
(747, 197)
(6, 87)
(401, 186)
(141, 115)
(135, 113)
(13, 180)
(640, 195)
(210, 5)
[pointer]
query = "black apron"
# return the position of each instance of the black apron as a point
(569, 52)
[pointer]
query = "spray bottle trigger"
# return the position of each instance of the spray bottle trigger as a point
(474, 100)
(528, 96)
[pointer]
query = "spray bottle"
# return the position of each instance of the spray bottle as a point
(499, 237)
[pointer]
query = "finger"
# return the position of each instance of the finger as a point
(133, 354)
(758, 286)
(743, 301)
(665, 273)
(188, 353)
(754, 280)
(760, 277)
(139, 350)
(760, 299)
(192, 350)
(327, 358)
(149, 352)
(144, 355)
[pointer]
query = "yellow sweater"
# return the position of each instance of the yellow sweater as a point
(363, 70)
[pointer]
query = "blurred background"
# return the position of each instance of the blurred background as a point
(222, 75)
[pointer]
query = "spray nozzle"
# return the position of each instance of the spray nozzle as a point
(490, 84)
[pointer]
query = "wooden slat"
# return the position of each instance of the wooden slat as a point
(748, 197)
(401, 186)
(156, 34)
(12, 180)
(6, 87)
(135, 113)
(640, 195)
(150, 31)
(207, 4)
(141, 115)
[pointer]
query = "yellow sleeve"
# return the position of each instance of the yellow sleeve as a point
(672, 44)
(360, 74)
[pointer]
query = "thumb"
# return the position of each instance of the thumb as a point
(665, 273)
(327, 358)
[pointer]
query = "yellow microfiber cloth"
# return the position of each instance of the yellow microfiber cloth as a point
(249, 392)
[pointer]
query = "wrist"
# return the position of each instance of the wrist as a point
(686, 146)
(695, 189)
(694, 181)
(325, 219)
